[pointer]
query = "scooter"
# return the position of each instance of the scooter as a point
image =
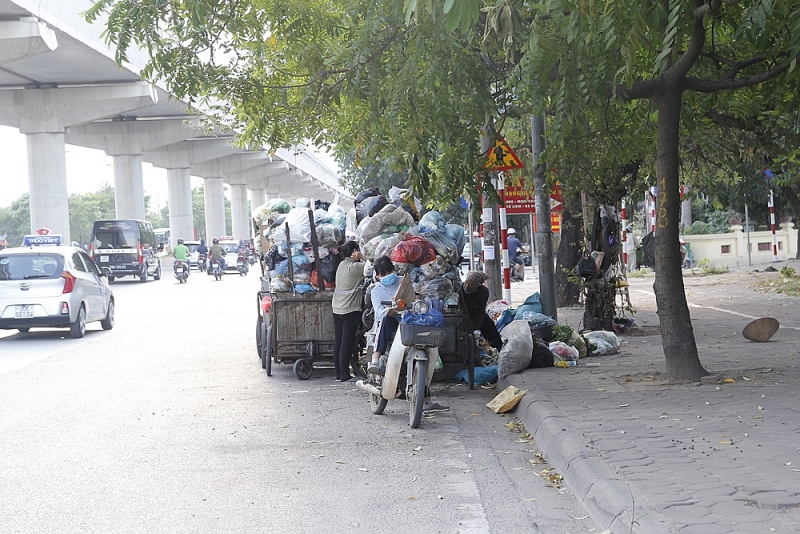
(241, 265)
(181, 271)
(251, 257)
(413, 352)
(201, 262)
(216, 269)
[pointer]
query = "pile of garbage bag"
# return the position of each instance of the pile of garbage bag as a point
(274, 218)
(427, 249)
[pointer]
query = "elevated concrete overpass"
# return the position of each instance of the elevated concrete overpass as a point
(59, 84)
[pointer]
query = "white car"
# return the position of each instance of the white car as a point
(45, 284)
(192, 246)
(231, 253)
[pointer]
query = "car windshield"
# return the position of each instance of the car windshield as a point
(28, 266)
(193, 247)
(230, 248)
(115, 235)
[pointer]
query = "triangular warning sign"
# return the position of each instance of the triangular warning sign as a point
(501, 157)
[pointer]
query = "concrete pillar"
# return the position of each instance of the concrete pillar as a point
(214, 203)
(128, 187)
(181, 216)
(44, 115)
(47, 183)
(240, 216)
(125, 140)
(179, 159)
(257, 197)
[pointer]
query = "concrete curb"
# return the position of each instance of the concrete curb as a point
(611, 502)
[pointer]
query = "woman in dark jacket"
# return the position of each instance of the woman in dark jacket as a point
(476, 296)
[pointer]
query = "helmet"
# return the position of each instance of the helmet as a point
(512, 231)
(476, 234)
(180, 241)
(216, 241)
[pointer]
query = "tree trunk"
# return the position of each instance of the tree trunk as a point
(793, 198)
(569, 250)
(677, 334)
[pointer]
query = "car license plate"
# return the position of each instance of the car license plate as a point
(23, 311)
(104, 258)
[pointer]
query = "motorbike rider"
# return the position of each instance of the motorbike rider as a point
(217, 252)
(387, 321)
(476, 296)
(242, 251)
(518, 265)
(202, 248)
(180, 253)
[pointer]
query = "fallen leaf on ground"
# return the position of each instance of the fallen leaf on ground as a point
(726, 443)
(363, 469)
(728, 380)
(417, 448)
(339, 462)
(462, 507)
(529, 500)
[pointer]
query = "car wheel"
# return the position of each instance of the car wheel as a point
(143, 278)
(108, 322)
(23, 330)
(157, 276)
(78, 328)
(110, 279)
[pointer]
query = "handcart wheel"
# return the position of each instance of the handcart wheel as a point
(259, 334)
(378, 404)
(471, 356)
(303, 368)
(266, 351)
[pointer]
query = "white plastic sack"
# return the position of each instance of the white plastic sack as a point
(299, 227)
(602, 342)
(516, 353)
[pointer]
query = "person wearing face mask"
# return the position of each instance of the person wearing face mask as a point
(476, 296)
(385, 318)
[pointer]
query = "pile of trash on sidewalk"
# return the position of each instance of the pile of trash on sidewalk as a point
(278, 223)
(534, 340)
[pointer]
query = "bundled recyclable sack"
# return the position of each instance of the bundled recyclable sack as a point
(414, 250)
(337, 216)
(437, 267)
(438, 288)
(432, 222)
(445, 247)
(601, 342)
(371, 192)
(299, 227)
(516, 353)
(387, 245)
(389, 217)
(457, 234)
(329, 235)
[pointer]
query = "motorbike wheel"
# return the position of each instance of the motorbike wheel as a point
(303, 368)
(417, 398)
(357, 362)
(378, 404)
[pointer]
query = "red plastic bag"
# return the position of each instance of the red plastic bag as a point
(314, 278)
(266, 303)
(415, 250)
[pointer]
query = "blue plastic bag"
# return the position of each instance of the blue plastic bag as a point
(483, 375)
(432, 318)
(532, 304)
(303, 288)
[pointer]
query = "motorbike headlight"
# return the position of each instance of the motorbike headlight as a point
(420, 306)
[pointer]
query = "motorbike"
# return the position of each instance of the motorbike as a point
(215, 268)
(251, 257)
(241, 265)
(201, 261)
(181, 271)
(413, 353)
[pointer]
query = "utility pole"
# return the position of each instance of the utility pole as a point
(544, 230)
(491, 229)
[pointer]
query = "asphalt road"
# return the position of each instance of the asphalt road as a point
(167, 423)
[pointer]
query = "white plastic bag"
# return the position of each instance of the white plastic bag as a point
(561, 351)
(602, 342)
(516, 353)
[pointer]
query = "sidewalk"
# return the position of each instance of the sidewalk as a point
(704, 458)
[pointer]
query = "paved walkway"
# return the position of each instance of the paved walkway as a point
(705, 458)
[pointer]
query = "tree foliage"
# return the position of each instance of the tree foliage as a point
(15, 220)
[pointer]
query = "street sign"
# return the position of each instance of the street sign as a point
(501, 157)
(521, 202)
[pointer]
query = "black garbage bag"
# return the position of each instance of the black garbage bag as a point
(273, 257)
(649, 250)
(321, 205)
(370, 206)
(541, 356)
(371, 192)
(328, 266)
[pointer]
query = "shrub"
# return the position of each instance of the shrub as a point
(699, 227)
